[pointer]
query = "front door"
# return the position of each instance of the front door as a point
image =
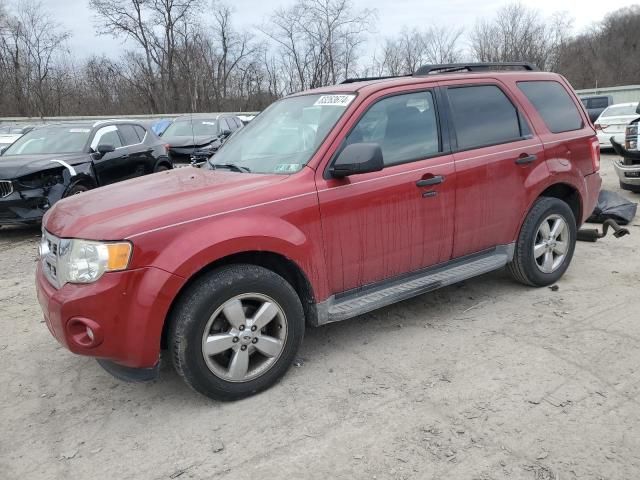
(381, 225)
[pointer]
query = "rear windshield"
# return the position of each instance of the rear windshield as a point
(50, 140)
(618, 110)
(554, 105)
(189, 128)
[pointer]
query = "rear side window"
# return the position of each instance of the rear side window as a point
(598, 102)
(554, 105)
(483, 115)
(129, 134)
(140, 131)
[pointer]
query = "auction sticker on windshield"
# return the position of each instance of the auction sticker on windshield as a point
(334, 100)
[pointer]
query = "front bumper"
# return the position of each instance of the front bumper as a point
(25, 206)
(628, 174)
(126, 311)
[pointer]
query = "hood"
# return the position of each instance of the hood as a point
(189, 141)
(118, 211)
(15, 166)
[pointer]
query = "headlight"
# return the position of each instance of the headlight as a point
(85, 261)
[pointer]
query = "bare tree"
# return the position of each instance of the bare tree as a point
(318, 41)
(519, 33)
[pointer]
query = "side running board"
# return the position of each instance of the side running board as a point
(364, 300)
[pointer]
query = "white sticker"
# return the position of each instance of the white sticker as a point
(79, 130)
(334, 100)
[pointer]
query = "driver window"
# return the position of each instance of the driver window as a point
(404, 126)
(107, 136)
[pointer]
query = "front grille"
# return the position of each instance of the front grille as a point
(6, 188)
(49, 247)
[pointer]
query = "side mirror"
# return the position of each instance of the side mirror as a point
(225, 133)
(3, 149)
(358, 158)
(104, 148)
(638, 108)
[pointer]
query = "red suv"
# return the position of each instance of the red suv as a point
(331, 203)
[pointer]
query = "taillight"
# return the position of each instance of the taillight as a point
(595, 154)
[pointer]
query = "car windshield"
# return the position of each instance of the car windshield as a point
(187, 128)
(50, 140)
(618, 110)
(283, 138)
(11, 130)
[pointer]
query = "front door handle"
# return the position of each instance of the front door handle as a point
(524, 159)
(426, 182)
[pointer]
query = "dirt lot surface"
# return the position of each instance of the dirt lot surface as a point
(483, 380)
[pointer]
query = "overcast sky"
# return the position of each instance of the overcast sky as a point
(76, 16)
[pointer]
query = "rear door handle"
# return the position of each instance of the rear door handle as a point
(425, 182)
(525, 159)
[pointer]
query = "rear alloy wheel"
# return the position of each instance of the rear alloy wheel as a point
(236, 331)
(545, 245)
(551, 244)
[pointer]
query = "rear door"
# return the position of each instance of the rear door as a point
(383, 224)
(496, 151)
(141, 159)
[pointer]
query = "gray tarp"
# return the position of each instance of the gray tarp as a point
(613, 206)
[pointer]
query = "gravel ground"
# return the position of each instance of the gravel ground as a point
(483, 380)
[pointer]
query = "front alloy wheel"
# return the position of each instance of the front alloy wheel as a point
(235, 331)
(244, 337)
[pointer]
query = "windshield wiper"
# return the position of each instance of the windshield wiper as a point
(230, 166)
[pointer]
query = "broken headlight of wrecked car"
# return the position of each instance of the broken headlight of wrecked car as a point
(44, 179)
(84, 261)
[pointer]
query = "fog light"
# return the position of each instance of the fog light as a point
(84, 333)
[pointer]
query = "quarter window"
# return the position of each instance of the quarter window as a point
(554, 105)
(483, 116)
(141, 132)
(404, 126)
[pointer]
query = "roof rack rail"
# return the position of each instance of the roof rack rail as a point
(473, 67)
(369, 79)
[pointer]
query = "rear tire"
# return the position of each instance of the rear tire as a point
(539, 258)
(161, 168)
(219, 344)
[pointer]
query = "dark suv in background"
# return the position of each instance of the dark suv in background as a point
(196, 137)
(55, 161)
(596, 104)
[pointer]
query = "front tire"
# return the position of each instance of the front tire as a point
(546, 243)
(236, 331)
(76, 189)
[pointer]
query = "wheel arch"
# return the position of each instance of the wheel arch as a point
(568, 194)
(275, 262)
